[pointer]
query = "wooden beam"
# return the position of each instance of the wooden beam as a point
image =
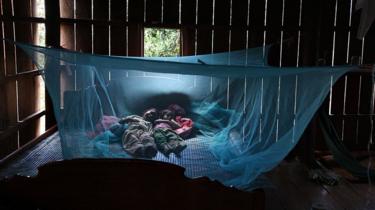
(123, 23)
(18, 76)
(22, 19)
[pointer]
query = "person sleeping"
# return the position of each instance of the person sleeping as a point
(138, 138)
(166, 139)
(106, 122)
(186, 124)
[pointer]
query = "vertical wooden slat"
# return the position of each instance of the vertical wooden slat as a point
(339, 51)
(136, 11)
(369, 51)
(325, 23)
(9, 49)
(170, 11)
(309, 22)
(337, 105)
(37, 12)
(118, 10)
(26, 86)
(153, 11)
(257, 10)
(83, 42)
(188, 12)
(24, 33)
(109, 32)
(27, 106)
(221, 40)
(52, 22)
(83, 9)
(66, 8)
(222, 9)
(7, 8)
(188, 45)
(274, 12)
(136, 15)
(342, 28)
(10, 68)
(205, 11)
(290, 33)
(239, 14)
(204, 37)
(67, 36)
(366, 95)
(101, 39)
(291, 17)
(188, 17)
(11, 102)
(355, 44)
(22, 8)
(118, 40)
(351, 106)
(221, 34)
(3, 117)
(136, 44)
(203, 41)
(283, 33)
(238, 39)
(101, 9)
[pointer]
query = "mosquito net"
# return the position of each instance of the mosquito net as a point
(242, 117)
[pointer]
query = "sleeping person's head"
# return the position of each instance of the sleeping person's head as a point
(150, 115)
(177, 110)
(166, 114)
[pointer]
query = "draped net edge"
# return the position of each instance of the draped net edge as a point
(250, 115)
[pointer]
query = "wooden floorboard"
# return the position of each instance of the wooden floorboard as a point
(294, 191)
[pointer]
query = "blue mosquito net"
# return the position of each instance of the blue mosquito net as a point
(246, 115)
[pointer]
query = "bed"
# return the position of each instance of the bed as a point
(115, 183)
(121, 184)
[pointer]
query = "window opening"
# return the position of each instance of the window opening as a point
(161, 42)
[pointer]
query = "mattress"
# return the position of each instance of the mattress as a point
(197, 160)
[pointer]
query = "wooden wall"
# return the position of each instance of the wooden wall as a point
(20, 82)
(301, 33)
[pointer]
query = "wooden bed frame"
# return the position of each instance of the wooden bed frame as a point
(121, 184)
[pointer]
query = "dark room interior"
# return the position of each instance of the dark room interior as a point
(242, 104)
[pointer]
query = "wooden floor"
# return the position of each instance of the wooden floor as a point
(294, 191)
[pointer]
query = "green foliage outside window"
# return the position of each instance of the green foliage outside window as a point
(161, 42)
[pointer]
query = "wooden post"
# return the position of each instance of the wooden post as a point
(309, 49)
(52, 8)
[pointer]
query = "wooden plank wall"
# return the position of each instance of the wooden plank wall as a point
(299, 37)
(20, 81)
(350, 100)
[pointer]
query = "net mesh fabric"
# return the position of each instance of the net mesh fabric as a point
(248, 115)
